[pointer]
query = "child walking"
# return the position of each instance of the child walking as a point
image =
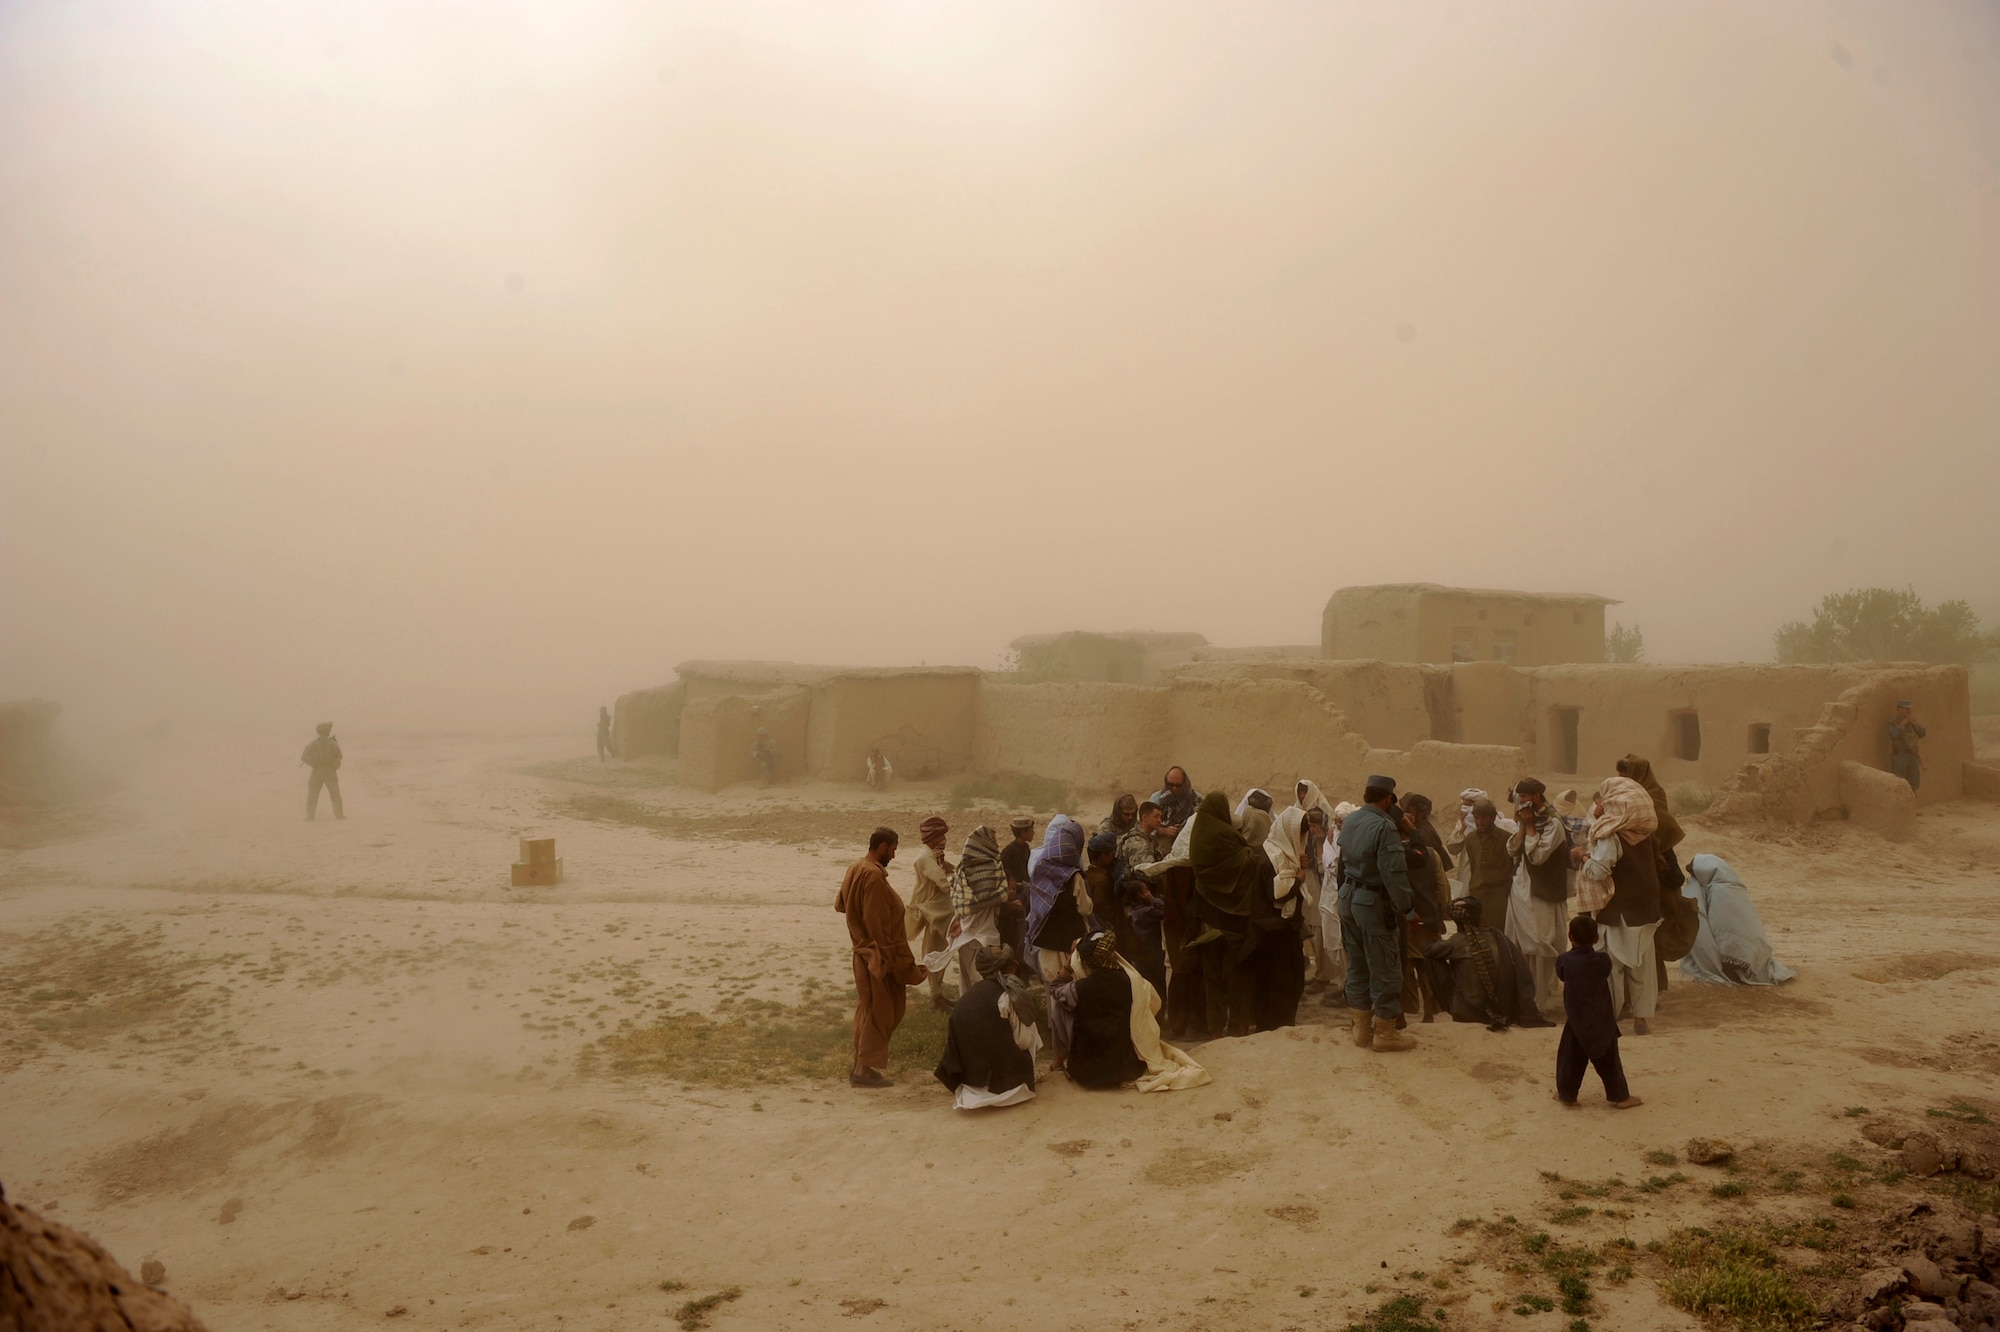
(1590, 1036)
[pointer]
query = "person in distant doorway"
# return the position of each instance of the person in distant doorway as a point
(322, 755)
(1590, 1034)
(764, 753)
(879, 771)
(1178, 800)
(1904, 733)
(605, 747)
(929, 916)
(883, 965)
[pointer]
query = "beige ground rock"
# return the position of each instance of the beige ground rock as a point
(1879, 801)
(54, 1279)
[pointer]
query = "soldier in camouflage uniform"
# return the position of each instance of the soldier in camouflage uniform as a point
(322, 755)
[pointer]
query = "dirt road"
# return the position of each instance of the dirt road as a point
(338, 1074)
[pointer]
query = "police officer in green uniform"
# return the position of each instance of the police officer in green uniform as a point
(1904, 732)
(1374, 900)
(322, 755)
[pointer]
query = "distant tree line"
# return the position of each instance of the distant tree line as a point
(1886, 624)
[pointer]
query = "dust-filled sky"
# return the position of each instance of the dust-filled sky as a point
(450, 365)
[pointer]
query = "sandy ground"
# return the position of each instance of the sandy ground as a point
(328, 1073)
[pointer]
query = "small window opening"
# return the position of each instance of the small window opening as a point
(1563, 724)
(1687, 735)
(1760, 737)
(1463, 645)
(1505, 643)
(1576, 617)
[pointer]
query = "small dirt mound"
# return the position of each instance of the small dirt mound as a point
(1924, 966)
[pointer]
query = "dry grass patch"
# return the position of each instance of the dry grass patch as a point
(761, 1041)
(81, 983)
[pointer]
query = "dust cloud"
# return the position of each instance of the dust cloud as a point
(434, 368)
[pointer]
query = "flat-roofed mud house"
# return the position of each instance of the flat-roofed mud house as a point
(1425, 622)
(1789, 742)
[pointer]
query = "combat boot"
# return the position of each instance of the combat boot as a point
(1387, 1038)
(1364, 1028)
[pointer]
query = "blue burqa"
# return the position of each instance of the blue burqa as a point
(1732, 948)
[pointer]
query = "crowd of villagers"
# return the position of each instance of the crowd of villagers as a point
(1184, 917)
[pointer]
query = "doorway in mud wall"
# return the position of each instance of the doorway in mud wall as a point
(1564, 727)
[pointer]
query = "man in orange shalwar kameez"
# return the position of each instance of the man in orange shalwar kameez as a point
(883, 964)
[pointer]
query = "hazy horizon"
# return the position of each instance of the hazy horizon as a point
(427, 367)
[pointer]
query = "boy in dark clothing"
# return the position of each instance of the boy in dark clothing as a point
(1590, 1036)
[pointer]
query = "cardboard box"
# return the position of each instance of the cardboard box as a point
(538, 874)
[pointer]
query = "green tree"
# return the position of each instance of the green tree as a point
(1622, 644)
(1885, 624)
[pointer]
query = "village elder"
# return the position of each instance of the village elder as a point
(1314, 828)
(1429, 891)
(322, 756)
(1143, 907)
(1178, 800)
(990, 1043)
(1419, 808)
(1680, 919)
(1058, 906)
(1332, 956)
(1310, 797)
(1014, 861)
(1905, 756)
(1537, 917)
(978, 890)
(1375, 900)
(1232, 884)
(1110, 1013)
(929, 916)
(1489, 872)
(1619, 885)
(1281, 951)
(883, 964)
(1480, 975)
(1461, 828)
(1170, 877)
(1590, 1031)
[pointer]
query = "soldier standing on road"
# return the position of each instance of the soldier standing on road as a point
(1904, 733)
(1374, 897)
(605, 747)
(323, 757)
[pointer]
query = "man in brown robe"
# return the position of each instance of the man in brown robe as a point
(883, 964)
(1489, 867)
